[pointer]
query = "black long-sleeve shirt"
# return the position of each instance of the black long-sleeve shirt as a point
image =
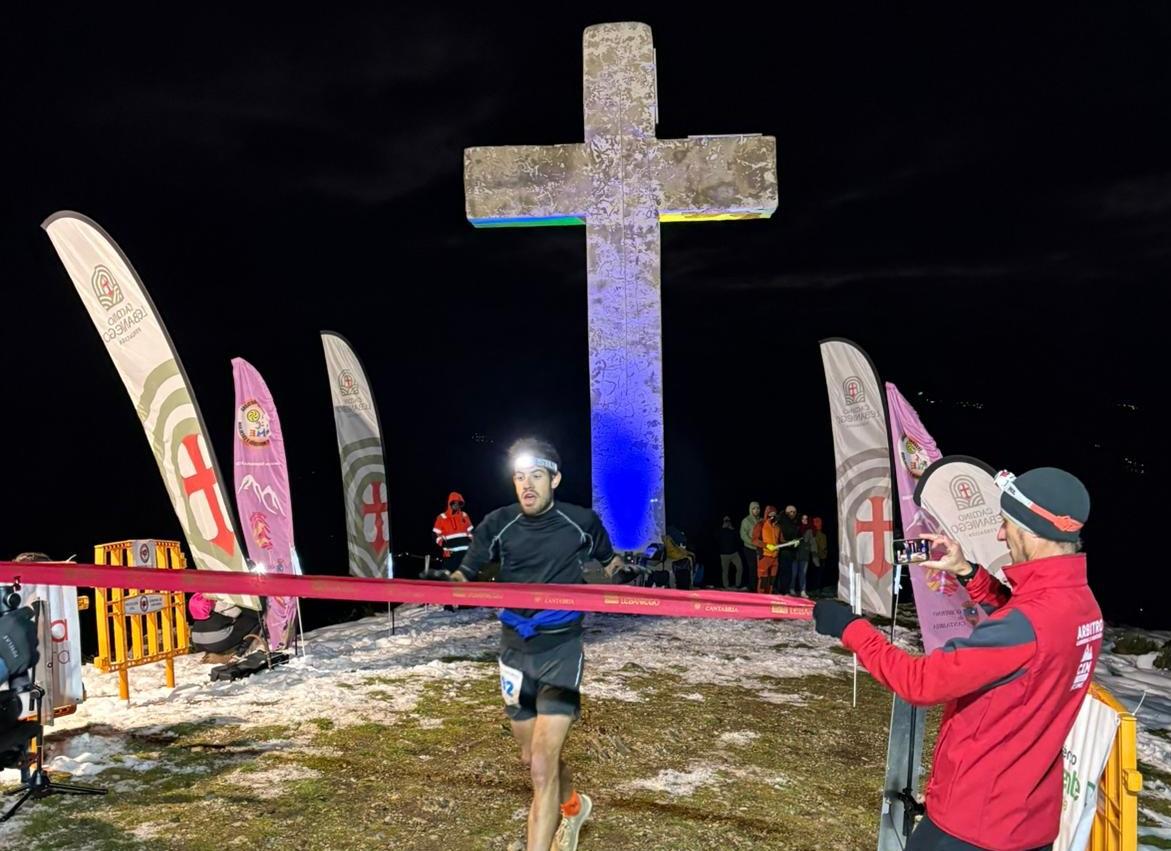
(551, 548)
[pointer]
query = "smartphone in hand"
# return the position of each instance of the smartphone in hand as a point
(911, 550)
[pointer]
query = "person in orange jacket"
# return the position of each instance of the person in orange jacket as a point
(767, 538)
(453, 532)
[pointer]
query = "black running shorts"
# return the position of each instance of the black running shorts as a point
(547, 682)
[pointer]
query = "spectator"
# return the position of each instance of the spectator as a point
(767, 537)
(680, 560)
(801, 561)
(819, 552)
(751, 553)
(730, 553)
(453, 532)
(222, 630)
(787, 555)
(1012, 689)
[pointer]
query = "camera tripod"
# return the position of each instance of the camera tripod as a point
(34, 781)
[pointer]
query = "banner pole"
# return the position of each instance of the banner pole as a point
(856, 607)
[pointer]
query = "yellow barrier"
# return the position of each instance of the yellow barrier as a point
(1116, 822)
(147, 626)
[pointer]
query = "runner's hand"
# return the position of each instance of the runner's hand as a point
(614, 565)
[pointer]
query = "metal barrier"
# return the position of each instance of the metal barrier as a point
(1116, 822)
(139, 626)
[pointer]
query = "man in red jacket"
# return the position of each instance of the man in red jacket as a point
(1012, 688)
(453, 532)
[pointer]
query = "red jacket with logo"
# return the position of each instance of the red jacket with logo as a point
(453, 529)
(1012, 690)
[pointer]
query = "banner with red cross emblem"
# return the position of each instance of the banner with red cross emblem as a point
(862, 455)
(960, 499)
(142, 352)
(359, 442)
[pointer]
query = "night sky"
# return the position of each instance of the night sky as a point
(984, 205)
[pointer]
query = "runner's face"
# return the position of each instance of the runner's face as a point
(534, 489)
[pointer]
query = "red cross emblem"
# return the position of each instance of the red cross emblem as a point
(877, 527)
(203, 481)
(374, 517)
(854, 392)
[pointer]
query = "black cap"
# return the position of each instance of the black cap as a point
(1059, 494)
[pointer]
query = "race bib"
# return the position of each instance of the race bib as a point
(510, 683)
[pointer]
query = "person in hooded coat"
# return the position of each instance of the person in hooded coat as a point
(750, 552)
(453, 532)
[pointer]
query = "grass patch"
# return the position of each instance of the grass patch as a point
(1149, 772)
(1149, 801)
(479, 657)
(383, 681)
(448, 776)
(1135, 644)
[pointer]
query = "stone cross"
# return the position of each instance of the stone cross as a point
(620, 183)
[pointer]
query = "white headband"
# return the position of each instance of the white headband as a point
(527, 462)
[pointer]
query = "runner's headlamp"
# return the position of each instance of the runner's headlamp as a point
(1004, 480)
(527, 461)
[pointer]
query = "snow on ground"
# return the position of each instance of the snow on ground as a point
(1136, 683)
(678, 784)
(344, 666)
(345, 663)
(356, 672)
(1145, 691)
(85, 755)
(740, 737)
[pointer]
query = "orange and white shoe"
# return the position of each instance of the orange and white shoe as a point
(566, 837)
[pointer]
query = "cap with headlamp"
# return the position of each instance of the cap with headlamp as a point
(1048, 502)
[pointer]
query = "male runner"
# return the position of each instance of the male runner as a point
(541, 658)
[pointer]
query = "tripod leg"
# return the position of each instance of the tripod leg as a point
(12, 810)
(69, 789)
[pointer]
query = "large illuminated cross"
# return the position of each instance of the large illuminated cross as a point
(620, 183)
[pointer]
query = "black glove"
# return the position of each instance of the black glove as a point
(630, 572)
(436, 574)
(18, 641)
(832, 617)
